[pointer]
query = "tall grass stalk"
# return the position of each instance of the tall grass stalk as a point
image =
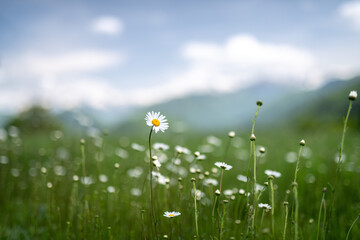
(259, 104)
(286, 219)
(295, 191)
(195, 208)
(352, 225)
(223, 218)
(82, 142)
(338, 168)
(322, 205)
(153, 218)
(221, 181)
(271, 179)
(254, 191)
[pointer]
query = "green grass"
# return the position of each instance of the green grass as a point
(30, 209)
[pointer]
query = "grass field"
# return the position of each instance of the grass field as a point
(53, 186)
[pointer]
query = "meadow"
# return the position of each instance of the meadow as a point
(59, 185)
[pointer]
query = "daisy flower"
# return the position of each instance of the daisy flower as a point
(181, 149)
(161, 146)
(275, 174)
(157, 164)
(264, 205)
(242, 178)
(353, 95)
(157, 121)
(223, 165)
(171, 214)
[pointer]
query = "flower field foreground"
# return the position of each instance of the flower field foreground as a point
(237, 185)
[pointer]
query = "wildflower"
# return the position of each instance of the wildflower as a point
(223, 165)
(259, 187)
(242, 178)
(275, 174)
(213, 140)
(231, 134)
(302, 142)
(228, 192)
(103, 178)
(210, 181)
(353, 95)
(264, 205)
(157, 121)
(75, 178)
(252, 138)
(180, 149)
(262, 150)
(157, 164)
(135, 192)
(171, 214)
(161, 146)
(137, 147)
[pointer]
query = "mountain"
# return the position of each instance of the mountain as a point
(283, 105)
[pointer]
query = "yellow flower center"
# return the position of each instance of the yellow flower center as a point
(156, 122)
(171, 215)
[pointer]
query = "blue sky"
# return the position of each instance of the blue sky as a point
(125, 53)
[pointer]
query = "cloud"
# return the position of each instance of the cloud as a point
(351, 12)
(107, 25)
(64, 79)
(239, 62)
(72, 79)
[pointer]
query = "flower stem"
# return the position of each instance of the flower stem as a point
(352, 225)
(196, 213)
(272, 207)
(320, 212)
(221, 181)
(254, 191)
(296, 199)
(151, 189)
(213, 214)
(286, 219)
(338, 168)
(84, 184)
(222, 221)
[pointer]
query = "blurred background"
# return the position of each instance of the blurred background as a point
(201, 63)
(90, 69)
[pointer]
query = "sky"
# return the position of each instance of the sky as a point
(114, 53)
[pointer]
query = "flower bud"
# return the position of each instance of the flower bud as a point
(231, 134)
(252, 138)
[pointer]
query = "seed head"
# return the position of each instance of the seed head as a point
(225, 201)
(217, 192)
(302, 142)
(154, 158)
(82, 141)
(192, 180)
(324, 189)
(196, 154)
(285, 203)
(259, 103)
(180, 179)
